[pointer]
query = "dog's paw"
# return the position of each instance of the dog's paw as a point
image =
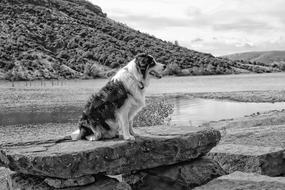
(74, 135)
(92, 138)
(135, 134)
(129, 138)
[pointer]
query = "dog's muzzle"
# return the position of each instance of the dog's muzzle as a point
(155, 74)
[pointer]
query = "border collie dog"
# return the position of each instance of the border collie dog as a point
(113, 108)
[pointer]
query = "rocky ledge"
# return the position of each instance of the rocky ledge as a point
(181, 176)
(156, 146)
(252, 144)
(245, 181)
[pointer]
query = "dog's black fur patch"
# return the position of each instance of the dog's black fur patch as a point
(144, 62)
(102, 106)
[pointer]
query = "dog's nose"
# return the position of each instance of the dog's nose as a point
(164, 66)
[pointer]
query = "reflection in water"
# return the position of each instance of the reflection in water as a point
(59, 114)
(195, 111)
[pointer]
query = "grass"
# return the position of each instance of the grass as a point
(246, 96)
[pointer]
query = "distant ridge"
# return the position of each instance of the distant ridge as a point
(49, 39)
(272, 58)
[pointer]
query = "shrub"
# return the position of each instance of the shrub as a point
(282, 66)
(156, 112)
(173, 69)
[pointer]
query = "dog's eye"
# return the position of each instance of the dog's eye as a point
(151, 62)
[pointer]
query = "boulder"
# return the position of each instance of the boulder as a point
(156, 146)
(29, 182)
(254, 143)
(184, 175)
(248, 158)
(63, 183)
(244, 181)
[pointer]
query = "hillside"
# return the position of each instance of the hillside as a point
(273, 58)
(46, 39)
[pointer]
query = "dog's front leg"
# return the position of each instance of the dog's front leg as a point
(124, 125)
(132, 113)
(131, 123)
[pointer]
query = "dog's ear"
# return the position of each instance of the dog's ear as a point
(143, 62)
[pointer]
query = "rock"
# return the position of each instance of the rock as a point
(248, 158)
(251, 148)
(185, 175)
(268, 135)
(61, 183)
(271, 118)
(156, 146)
(5, 179)
(28, 182)
(253, 143)
(245, 181)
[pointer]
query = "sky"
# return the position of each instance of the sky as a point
(218, 27)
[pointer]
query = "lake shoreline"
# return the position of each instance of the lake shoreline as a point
(241, 88)
(18, 100)
(262, 96)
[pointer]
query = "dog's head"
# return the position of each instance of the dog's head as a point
(147, 65)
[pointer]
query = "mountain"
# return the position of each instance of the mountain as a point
(47, 39)
(272, 58)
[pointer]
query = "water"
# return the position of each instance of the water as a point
(187, 111)
(58, 114)
(28, 126)
(195, 111)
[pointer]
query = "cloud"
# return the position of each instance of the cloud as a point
(213, 26)
(154, 22)
(219, 47)
(193, 11)
(197, 40)
(246, 25)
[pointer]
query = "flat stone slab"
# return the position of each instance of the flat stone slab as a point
(248, 158)
(184, 175)
(267, 136)
(252, 144)
(245, 181)
(156, 146)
